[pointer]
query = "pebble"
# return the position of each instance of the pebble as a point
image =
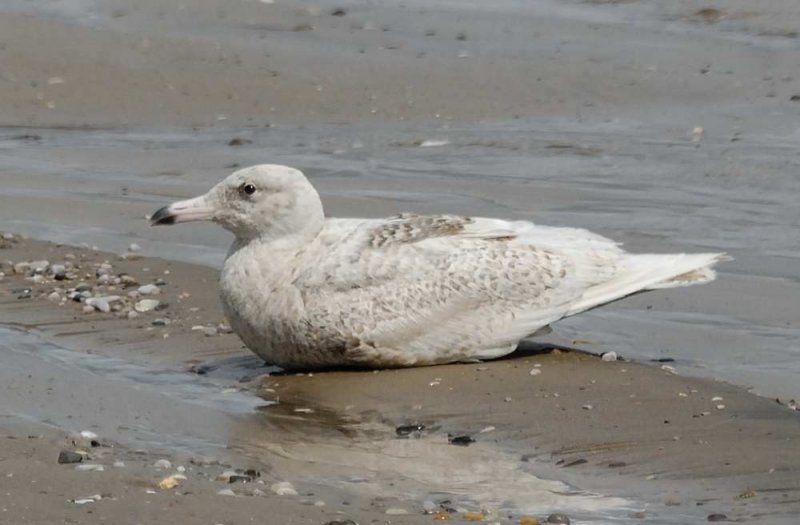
(587, 407)
(99, 304)
(133, 315)
(133, 247)
(394, 511)
(558, 518)
(22, 267)
(161, 321)
(226, 492)
(88, 434)
(407, 430)
(146, 305)
(473, 516)
(461, 441)
(170, 482)
(58, 269)
(119, 464)
(68, 456)
(535, 371)
(162, 464)
(341, 522)
(609, 357)
(208, 331)
(39, 266)
(89, 467)
(717, 517)
(283, 488)
(90, 499)
(149, 289)
(528, 520)
(54, 297)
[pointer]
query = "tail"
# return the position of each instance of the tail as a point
(638, 273)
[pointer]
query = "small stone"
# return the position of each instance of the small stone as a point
(119, 464)
(440, 516)
(90, 467)
(717, 517)
(99, 304)
(407, 430)
(162, 464)
(90, 499)
(558, 518)
(283, 488)
(22, 267)
(88, 434)
(394, 511)
(68, 456)
(473, 516)
(587, 407)
(528, 520)
(54, 297)
(133, 315)
(146, 305)
(609, 357)
(133, 247)
(170, 482)
(461, 441)
(226, 492)
(535, 371)
(161, 321)
(341, 522)
(149, 289)
(40, 266)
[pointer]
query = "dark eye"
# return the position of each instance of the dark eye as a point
(247, 188)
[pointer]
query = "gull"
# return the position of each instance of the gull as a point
(304, 291)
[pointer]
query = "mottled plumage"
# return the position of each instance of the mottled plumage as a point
(303, 291)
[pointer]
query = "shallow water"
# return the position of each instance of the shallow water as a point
(164, 410)
(651, 187)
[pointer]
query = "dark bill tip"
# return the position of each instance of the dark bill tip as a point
(162, 216)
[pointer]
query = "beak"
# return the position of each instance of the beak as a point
(196, 209)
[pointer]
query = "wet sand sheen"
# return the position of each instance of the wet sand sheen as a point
(674, 447)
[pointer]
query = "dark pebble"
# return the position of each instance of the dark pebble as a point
(339, 12)
(461, 441)
(561, 519)
(664, 360)
(161, 306)
(201, 370)
(617, 464)
(239, 142)
(795, 98)
(405, 430)
(575, 463)
(341, 522)
(60, 276)
(253, 473)
(83, 288)
(239, 478)
(68, 456)
(717, 517)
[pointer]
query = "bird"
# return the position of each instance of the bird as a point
(306, 291)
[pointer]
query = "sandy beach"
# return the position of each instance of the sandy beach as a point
(669, 127)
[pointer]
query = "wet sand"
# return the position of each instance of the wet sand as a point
(629, 439)
(669, 127)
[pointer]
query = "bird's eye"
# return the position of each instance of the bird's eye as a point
(247, 188)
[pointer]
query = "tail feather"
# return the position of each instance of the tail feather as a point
(651, 272)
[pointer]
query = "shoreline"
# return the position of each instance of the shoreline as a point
(577, 421)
